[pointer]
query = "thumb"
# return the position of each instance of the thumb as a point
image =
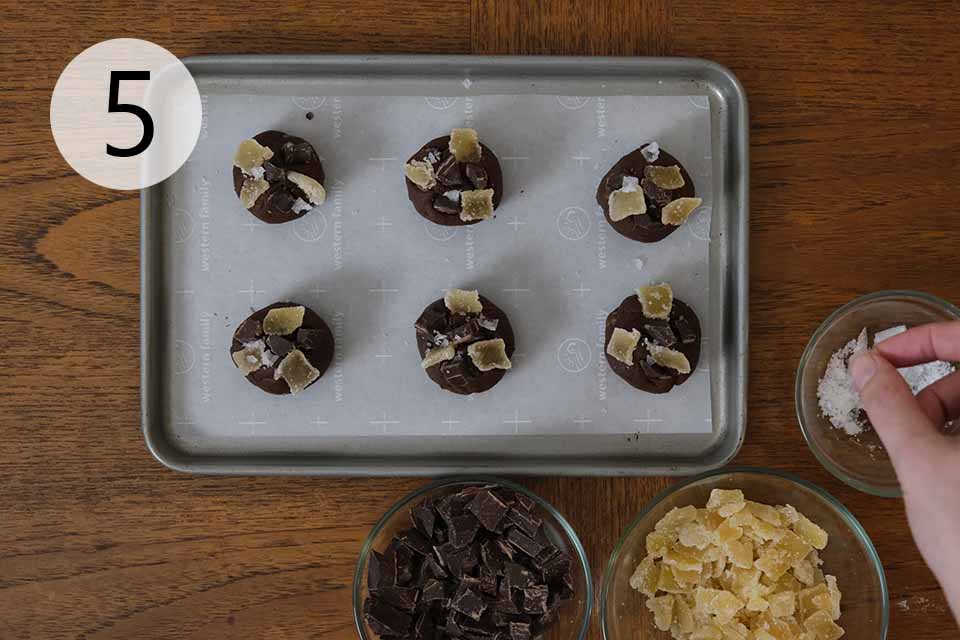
(903, 426)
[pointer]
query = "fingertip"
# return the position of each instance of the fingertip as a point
(863, 366)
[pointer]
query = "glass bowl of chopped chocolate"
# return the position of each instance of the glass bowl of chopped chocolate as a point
(472, 559)
(744, 553)
(831, 416)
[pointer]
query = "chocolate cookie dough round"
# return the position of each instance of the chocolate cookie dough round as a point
(283, 348)
(439, 198)
(278, 177)
(679, 332)
(644, 227)
(453, 340)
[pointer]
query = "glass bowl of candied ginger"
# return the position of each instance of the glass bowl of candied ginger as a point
(750, 554)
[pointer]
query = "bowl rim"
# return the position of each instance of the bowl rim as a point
(837, 470)
(842, 510)
(451, 481)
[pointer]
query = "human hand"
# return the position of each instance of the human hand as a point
(926, 460)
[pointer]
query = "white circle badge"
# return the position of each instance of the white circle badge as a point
(126, 113)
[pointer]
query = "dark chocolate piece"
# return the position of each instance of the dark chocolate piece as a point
(653, 192)
(402, 598)
(528, 522)
(519, 631)
(467, 600)
(374, 571)
(535, 599)
(450, 176)
(290, 153)
(384, 619)
(404, 565)
(434, 591)
(524, 543)
(526, 502)
(249, 330)
(463, 530)
(424, 519)
(425, 628)
(318, 347)
(415, 541)
(645, 374)
(488, 509)
(644, 227)
(444, 204)
(660, 334)
(279, 345)
(477, 176)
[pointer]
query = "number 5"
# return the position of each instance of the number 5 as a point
(113, 107)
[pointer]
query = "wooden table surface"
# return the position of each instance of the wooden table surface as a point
(854, 143)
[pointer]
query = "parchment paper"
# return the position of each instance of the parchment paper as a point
(369, 264)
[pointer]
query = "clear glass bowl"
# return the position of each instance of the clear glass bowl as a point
(573, 616)
(849, 554)
(859, 461)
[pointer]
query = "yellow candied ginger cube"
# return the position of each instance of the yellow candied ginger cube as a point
(727, 532)
(668, 583)
(658, 542)
(683, 558)
(811, 533)
(807, 600)
(683, 615)
(765, 512)
(782, 604)
(710, 632)
(740, 553)
(822, 626)
(662, 609)
(644, 579)
(726, 501)
(722, 605)
(696, 535)
(676, 518)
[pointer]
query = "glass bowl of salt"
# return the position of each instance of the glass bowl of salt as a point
(829, 411)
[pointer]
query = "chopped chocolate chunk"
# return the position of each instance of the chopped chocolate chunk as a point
(523, 542)
(278, 345)
(477, 176)
(456, 372)
(519, 631)
(248, 331)
(491, 557)
(488, 582)
(272, 173)
(375, 571)
(430, 569)
(658, 195)
(415, 541)
(434, 591)
(526, 503)
(425, 628)
(519, 577)
(384, 619)
(424, 519)
(402, 598)
(556, 567)
(660, 334)
(280, 201)
(546, 554)
(404, 565)
(528, 522)
(463, 530)
(488, 509)
(450, 173)
(457, 562)
(310, 339)
(445, 205)
(535, 599)
(468, 601)
(506, 548)
(300, 153)
(469, 331)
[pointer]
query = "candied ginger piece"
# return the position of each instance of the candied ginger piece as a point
(757, 603)
(695, 535)
(707, 633)
(740, 553)
(622, 345)
(676, 518)
(656, 300)
(462, 301)
(465, 145)
(810, 533)
(710, 519)
(820, 624)
(662, 609)
(623, 204)
(762, 634)
(437, 355)
(720, 497)
(250, 155)
(788, 513)
(644, 579)
(251, 190)
(683, 559)
(476, 205)
(283, 321)
(688, 579)
(677, 211)
(684, 615)
(783, 604)
(488, 355)
(666, 357)
(735, 631)
(297, 371)
(765, 512)
(420, 173)
(668, 177)
(658, 542)
(835, 596)
(807, 599)
(727, 532)
(668, 583)
(803, 572)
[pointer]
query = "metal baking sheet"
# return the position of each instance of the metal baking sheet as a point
(188, 431)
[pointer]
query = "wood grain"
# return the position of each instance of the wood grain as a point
(855, 153)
